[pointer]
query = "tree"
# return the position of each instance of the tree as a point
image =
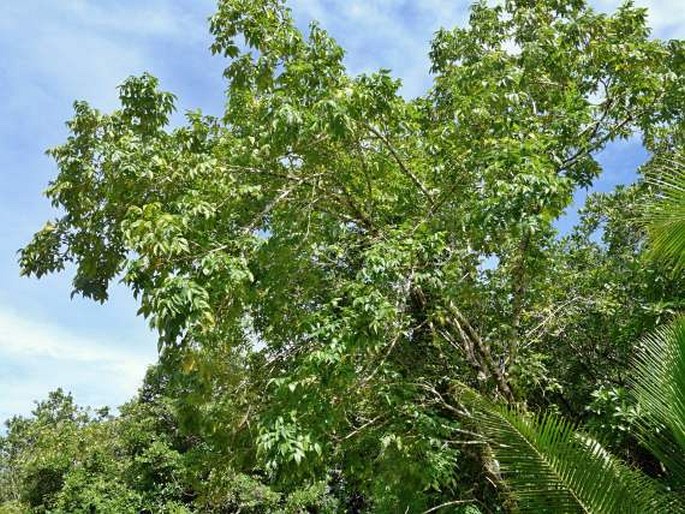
(67, 459)
(326, 257)
(554, 468)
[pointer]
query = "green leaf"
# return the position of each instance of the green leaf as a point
(552, 468)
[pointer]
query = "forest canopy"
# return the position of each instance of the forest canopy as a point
(363, 302)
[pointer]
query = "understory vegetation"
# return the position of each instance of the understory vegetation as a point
(364, 302)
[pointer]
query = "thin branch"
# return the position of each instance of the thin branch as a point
(401, 164)
(570, 161)
(269, 207)
(443, 402)
(483, 351)
(360, 428)
(546, 320)
(380, 364)
(447, 504)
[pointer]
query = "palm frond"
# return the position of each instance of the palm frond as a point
(665, 216)
(552, 468)
(658, 382)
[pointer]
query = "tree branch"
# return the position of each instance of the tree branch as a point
(401, 164)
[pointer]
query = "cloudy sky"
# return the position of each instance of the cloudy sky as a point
(55, 51)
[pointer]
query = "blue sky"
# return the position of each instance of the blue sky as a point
(53, 52)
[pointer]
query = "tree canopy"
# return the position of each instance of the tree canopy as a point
(328, 263)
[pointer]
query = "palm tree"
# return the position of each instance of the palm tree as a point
(659, 387)
(665, 215)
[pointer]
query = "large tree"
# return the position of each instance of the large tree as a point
(327, 257)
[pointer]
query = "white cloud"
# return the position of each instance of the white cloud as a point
(36, 357)
(82, 49)
(141, 19)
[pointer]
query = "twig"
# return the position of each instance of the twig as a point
(269, 207)
(442, 401)
(401, 164)
(446, 504)
(360, 428)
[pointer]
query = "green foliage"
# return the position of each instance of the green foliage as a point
(665, 216)
(64, 459)
(326, 257)
(659, 385)
(552, 468)
(602, 292)
(614, 414)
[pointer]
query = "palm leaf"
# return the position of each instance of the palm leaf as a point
(665, 216)
(552, 468)
(658, 382)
